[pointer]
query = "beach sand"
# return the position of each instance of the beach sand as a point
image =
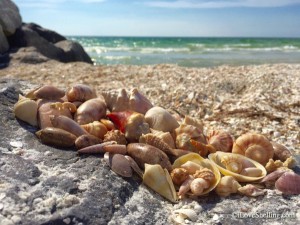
(260, 98)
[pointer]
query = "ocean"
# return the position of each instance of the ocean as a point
(190, 52)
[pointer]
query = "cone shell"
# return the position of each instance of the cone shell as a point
(215, 158)
(159, 180)
(160, 119)
(205, 163)
(87, 140)
(81, 93)
(26, 110)
(119, 164)
(95, 128)
(49, 92)
(254, 146)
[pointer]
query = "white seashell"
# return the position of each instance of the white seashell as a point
(186, 214)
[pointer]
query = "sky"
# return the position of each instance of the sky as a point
(180, 18)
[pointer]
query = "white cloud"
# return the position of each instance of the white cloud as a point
(51, 3)
(221, 3)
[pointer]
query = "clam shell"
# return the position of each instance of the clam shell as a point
(196, 158)
(159, 180)
(215, 159)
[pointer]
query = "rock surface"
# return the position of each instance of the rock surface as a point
(10, 18)
(44, 185)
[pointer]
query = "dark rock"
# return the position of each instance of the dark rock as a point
(10, 18)
(3, 42)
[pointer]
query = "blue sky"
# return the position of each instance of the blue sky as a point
(213, 18)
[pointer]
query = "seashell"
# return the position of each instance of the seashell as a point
(138, 102)
(95, 128)
(205, 174)
(203, 163)
(220, 140)
(144, 153)
(115, 148)
(80, 92)
(272, 177)
(47, 108)
(109, 125)
(288, 183)
(280, 151)
(236, 163)
(159, 180)
(165, 136)
(191, 167)
(180, 215)
(56, 137)
(194, 122)
(26, 110)
(186, 133)
(115, 135)
(185, 187)
(90, 111)
(251, 190)
(67, 124)
(157, 142)
(198, 185)
(254, 146)
(227, 185)
(251, 172)
(95, 149)
(179, 175)
(132, 124)
(49, 92)
(119, 164)
(160, 119)
(64, 106)
(134, 166)
(116, 100)
(86, 140)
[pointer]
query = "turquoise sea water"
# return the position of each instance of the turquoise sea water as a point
(191, 52)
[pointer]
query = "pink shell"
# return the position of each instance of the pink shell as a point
(289, 183)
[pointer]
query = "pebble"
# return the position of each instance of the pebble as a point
(277, 134)
(16, 144)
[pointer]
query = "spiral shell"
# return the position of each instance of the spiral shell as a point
(179, 175)
(115, 135)
(165, 136)
(95, 128)
(26, 110)
(227, 185)
(80, 92)
(237, 163)
(254, 146)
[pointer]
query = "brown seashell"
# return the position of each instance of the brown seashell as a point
(86, 140)
(160, 119)
(49, 92)
(115, 135)
(165, 136)
(90, 111)
(26, 110)
(138, 102)
(67, 124)
(95, 149)
(157, 142)
(109, 125)
(179, 175)
(56, 137)
(220, 140)
(254, 146)
(116, 149)
(81, 93)
(280, 151)
(227, 185)
(136, 126)
(116, 100)
(272, 177)
(144, 153)
(119, 164)
(251, 190)
(289, 183)
(206, 174)
(134, 166)
(95, 128)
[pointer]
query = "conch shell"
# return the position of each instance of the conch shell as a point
(95, 128)
(165, 136)
(118, 101)
(205, 169)
(240, 167)
(81, 93)
(227, 185)
(254, 146)
(160, 119)
(280, 151)
(90, 111)
(132, 124)
(159, 180)
(26, 110)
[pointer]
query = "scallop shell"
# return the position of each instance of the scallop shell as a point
(227, 185)
(220, 140)
(203, 163)
(26, 110)
(80, 92)
(216, 160)
(160, 119)
(159, 180)
(254, 146)
(95, 128)
(280, 151)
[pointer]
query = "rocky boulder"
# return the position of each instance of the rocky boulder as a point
(10, 18)
(3, 41)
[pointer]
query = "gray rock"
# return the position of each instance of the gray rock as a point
(10, 18)
(3, 42)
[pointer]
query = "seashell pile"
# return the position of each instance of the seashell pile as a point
(173, 157)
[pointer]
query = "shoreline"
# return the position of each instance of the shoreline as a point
(240, 99)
